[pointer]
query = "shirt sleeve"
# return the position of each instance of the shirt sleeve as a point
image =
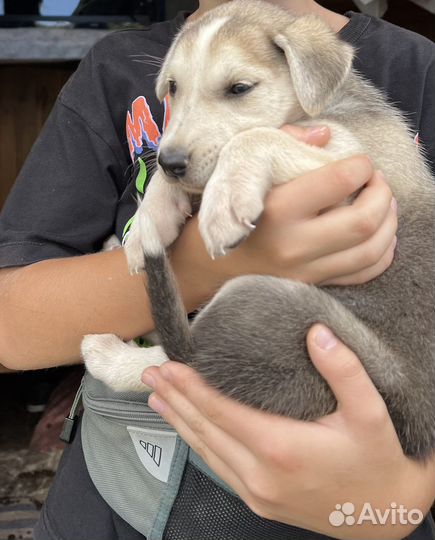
(64, 200)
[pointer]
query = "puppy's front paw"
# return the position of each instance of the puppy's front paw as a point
(228, 214)
(134, 251)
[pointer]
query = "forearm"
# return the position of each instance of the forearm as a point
(49, 306)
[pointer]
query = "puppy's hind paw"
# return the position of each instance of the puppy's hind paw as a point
(99, 352)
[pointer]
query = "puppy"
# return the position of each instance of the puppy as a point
(234, 77)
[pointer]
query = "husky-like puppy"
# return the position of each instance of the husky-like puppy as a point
(235, 76)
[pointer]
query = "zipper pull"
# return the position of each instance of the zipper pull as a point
(70, 422)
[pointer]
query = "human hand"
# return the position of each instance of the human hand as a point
(297, 472)
(299, 235)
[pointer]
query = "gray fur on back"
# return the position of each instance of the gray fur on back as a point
(249, 341)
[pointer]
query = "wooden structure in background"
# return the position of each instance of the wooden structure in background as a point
(27, 94)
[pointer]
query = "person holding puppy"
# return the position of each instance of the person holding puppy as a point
(76, 169)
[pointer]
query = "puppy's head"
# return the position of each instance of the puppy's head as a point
(242, 65)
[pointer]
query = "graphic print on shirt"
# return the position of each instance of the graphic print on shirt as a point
(141, 128)
(143, 136)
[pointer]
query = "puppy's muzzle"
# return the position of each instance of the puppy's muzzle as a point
(173, 162)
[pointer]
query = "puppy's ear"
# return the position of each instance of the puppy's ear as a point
(319, 62)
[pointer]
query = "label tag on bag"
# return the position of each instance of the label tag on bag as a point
(155, 449)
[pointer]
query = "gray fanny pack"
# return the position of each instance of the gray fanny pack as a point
(154, 481)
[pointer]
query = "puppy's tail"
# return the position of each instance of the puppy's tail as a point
(166, 305)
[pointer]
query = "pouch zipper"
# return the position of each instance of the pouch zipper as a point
(115, 410)
(70, 422)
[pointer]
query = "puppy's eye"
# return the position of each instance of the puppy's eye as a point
(172, 88)
(240, 88)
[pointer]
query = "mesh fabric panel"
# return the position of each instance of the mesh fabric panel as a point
(205, 511)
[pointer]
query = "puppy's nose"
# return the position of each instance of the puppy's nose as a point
(173, 162)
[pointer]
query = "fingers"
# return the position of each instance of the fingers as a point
(373, 214)
(320, 189)
(370, 220)
(227, 469)
(358, 222)
(225, 456)
(228, 436)
(346, 377)
(197, 412)
(352, 243)
(363, 261)
(316, 136)
(366, 274)
(188, 394)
